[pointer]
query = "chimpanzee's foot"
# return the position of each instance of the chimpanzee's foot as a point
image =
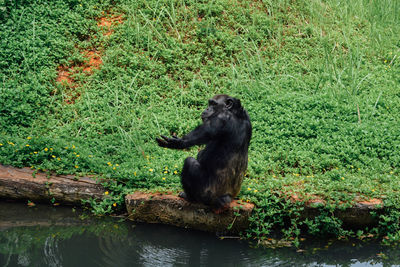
(222, 204)
(182, 195)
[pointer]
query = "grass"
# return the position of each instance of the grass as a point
(320, 80)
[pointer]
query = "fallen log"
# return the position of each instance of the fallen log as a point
(173, 210)
(358, 216)
(24, 184)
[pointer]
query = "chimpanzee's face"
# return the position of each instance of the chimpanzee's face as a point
(216, 105)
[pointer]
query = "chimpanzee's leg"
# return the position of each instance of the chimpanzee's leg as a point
(193, 179)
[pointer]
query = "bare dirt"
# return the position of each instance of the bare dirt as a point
(93, 60)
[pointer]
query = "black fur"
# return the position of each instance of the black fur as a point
(215, 177)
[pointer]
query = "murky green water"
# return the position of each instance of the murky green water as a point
(49, 236)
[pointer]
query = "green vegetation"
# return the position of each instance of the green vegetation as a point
(320, 80)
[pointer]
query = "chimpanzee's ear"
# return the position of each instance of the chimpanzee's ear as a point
(229, 103)
(233, 103)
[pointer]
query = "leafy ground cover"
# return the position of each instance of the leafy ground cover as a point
(320, 80)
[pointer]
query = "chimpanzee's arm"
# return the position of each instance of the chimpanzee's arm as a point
(201, 135)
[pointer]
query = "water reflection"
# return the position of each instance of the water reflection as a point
(48, 236)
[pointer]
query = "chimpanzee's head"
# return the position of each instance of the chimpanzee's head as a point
(221, 103)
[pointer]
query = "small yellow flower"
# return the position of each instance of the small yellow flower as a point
(373, 190)
(66, 147)
(165, 171)
(109, 164)
(150, 170)
(46, 149)
(175, 172)
(58, 159)
(255, 190)
(26, 145)
(76, 166)
(248, 188)
(73, 146)
(35, 152)
(342, 178)
(115, 204)
(163, 178)
(1, 144)
(53, 156)
(176, 166)
(29, 138)
(134, 173)
(51, 149)
(114, 168)
(390, 172)
(10, 143)
(77, 156)
(166, 168)
(106, 193)
(117, 165)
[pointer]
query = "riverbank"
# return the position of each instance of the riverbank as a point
(30, 186)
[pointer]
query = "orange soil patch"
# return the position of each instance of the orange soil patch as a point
(107, 22)
(64, 74)
(92, 58)
(93, 61)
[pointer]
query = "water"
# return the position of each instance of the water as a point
(57, 236)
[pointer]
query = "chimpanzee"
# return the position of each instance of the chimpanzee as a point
(215, 177)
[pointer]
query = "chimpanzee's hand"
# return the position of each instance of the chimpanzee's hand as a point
(173, 142)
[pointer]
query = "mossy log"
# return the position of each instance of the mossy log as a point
(25, 184)
(358, 216)
(173, 210)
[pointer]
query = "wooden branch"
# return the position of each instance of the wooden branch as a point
(173, 210)
(23, 184)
